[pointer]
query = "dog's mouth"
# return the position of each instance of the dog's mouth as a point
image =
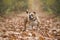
(31, 17)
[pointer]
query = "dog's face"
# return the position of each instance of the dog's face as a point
(31, 15)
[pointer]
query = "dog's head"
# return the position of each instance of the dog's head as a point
(31, 14)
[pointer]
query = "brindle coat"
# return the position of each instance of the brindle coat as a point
(32, 20)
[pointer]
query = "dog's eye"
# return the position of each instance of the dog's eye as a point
(34, 12)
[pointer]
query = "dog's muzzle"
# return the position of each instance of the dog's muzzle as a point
(31, 17)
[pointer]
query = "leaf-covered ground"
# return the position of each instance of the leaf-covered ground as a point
(11, 28)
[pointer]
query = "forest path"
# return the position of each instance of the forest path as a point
(11, 27)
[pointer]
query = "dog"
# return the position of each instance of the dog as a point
(32, 21)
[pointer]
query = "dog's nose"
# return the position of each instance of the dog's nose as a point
(31, 14)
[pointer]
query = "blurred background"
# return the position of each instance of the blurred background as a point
(50, 6)
(7, 6)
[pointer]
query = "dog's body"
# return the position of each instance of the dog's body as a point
(32, 20)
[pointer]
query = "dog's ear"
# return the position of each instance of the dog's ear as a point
(34, 12)
(27, 11)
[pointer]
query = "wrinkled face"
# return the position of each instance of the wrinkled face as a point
(31, 15)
